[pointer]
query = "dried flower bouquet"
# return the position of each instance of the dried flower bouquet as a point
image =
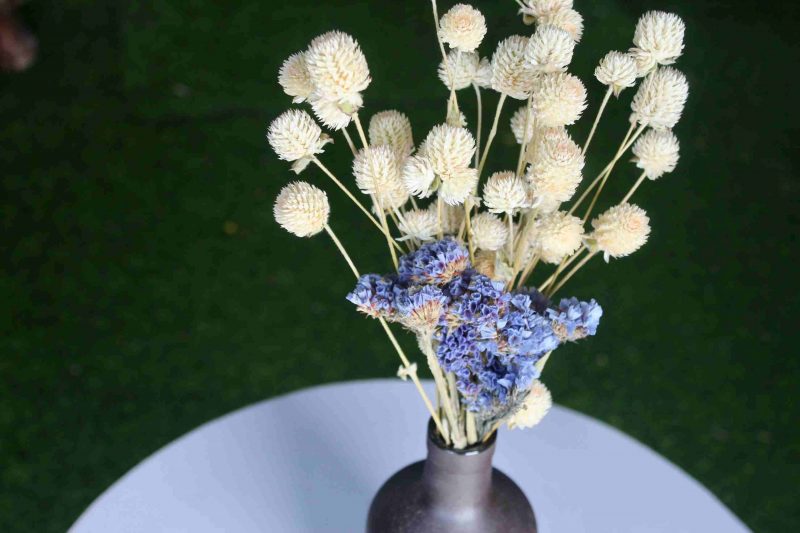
(464, 247)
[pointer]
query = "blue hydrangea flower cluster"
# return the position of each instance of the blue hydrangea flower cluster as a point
(488, 338)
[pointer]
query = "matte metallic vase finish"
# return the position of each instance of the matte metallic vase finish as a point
(452, 491)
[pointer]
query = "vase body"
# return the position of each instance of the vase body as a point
(451, 491)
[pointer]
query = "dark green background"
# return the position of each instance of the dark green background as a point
(145, 288)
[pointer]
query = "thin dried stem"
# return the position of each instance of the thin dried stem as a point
(571, 273)
(561, 266)
(597, 119)
(360, 130)
(633, 188)
(350, 142)
(385, 226)
(524, 146)
(358, 204)
(492, 133)
(479, 126)
(406, 363)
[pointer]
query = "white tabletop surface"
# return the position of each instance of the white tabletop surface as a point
(312, 460)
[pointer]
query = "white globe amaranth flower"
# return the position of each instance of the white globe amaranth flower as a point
(393, 129)
(556, 151)
(462, 27)
(617, 70)
(509, 73)
(656, 153)
(552, 187)
(620, 231)
(420, 224)
(294, 136)
(418, 176)
(660, 35)
(448, 148)
(294, 78)
(504, 192)
(518, 121)
(556, 236)
(377, 172)
(489, 232)
(483, 77)
(661, 97)
(645, 61)
(533, 409)
(302, 209)
(549, 49)
(460, 70)
(539, 8)
(330, 113)
(568, 20)
(458, 185)
(558, 99)
(338, 68)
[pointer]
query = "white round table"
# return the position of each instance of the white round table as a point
(312, 460)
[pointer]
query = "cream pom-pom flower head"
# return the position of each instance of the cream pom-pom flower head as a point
(302, 209)
(659, 35)
(660, 100)
(535, 407)
(555, 151)
(558, 99)
(377, 172)
(556, 236)
(510, 76)
(518, 122)
(568, 20)
(296, 137)
(534, 9)
(337, 67)
(392, 128)
(294, 78)
(620, 231)
(458, 185)
(504, 192)
(549, 49)
(460, 69)
(448, 148)
(463, 27)
(418, 176)
(617, 70)
(552, 187)
(488, 232)
(656, 153)
(420, 224)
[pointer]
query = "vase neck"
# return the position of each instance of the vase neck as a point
(458, 479)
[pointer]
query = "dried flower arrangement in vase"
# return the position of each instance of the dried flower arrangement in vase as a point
(463, 248)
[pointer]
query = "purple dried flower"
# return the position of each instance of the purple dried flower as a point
(434, 263)
(574, 319)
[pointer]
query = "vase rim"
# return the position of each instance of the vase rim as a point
(476, 449)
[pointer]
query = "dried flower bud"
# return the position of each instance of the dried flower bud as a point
(533, 409)
(393, 129)
(558, 99)
(448, 148)
(656, 153)
(337, 67)
(504, 192)
(518, 122)
(660, 99)
(463, 27)
(458, 185)
(420, 224)
(617, 70)
(552, 187)
(568, 20)
(296, 137)
(620, 231)
(302, 209)
(555, 150)
(377, 172)
(660, 35)
(462, 68)
(509, 74)
(555, 236)
(330, 113)
(294, 78)
(549, 49)
(538, 8)
(418, 176)
(488, 232)
(485, 263)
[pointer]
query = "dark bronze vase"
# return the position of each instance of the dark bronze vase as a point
(451, 491)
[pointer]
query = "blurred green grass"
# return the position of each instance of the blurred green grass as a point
(147, 289)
